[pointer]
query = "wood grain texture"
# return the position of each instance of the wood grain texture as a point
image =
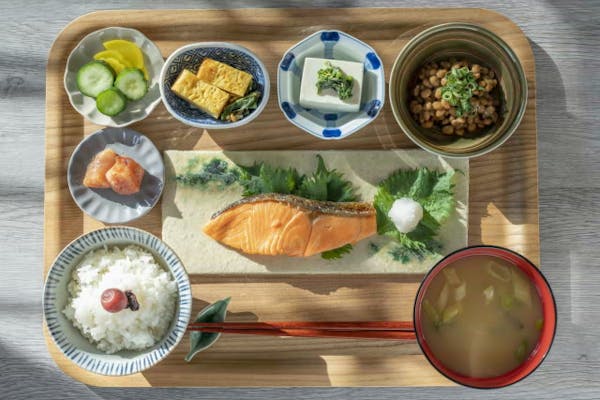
(503, 200)
(563, 36)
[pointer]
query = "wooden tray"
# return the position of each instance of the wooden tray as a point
(503, 200)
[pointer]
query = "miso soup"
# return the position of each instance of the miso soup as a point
(481, 316)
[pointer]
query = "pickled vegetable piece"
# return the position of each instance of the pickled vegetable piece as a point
(130, 52)
(125, 176)
(95, 174)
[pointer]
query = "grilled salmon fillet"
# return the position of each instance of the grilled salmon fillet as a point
(278, 224)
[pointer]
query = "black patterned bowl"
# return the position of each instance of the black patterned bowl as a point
(190, 57)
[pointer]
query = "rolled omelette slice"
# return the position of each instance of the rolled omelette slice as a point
(278, 224)
(224, 76)
(202, 95)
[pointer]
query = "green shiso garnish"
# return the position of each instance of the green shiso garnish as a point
(433, 190)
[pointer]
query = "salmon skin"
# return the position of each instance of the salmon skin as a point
(281, 224)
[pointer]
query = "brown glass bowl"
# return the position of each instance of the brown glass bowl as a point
(460, 41)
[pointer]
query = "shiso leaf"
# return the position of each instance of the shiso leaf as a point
(200, 341)
(263, 178)
(433, 190)
(327, 185)
(337, 253)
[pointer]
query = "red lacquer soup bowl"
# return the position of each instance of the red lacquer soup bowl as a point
(548, 311)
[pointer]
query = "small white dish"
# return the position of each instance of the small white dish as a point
(69, 339)
(84, 53)
(330, 44)
(104, 204)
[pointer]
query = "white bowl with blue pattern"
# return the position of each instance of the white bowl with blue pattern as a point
(330, 44)
(68, 338)
(190, 57)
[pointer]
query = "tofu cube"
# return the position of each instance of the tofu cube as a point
(225, 77)
(205, 96)
(328, 99)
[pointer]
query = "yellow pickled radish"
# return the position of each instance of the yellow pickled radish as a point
(130, 51)
(115, 64)
(107, 54)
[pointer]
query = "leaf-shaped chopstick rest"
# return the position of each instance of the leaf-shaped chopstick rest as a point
(200, 341)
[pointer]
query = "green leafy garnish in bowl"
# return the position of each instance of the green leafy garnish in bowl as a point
(241, 107)
(433, 190)
(332, 77)
(459, 88)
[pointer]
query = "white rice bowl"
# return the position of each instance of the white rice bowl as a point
(129, 268)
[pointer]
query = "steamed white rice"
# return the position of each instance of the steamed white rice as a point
(131, 268)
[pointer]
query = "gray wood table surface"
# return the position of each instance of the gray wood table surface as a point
(564, 36)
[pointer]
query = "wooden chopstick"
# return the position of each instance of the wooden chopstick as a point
(316, 333)
(352, 330)
(322, 325)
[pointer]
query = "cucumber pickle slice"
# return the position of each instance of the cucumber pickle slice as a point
(94, 78)
(111, 102)
(131, 83)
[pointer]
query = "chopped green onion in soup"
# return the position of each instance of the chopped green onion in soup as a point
(488, 293)
(507, 301)
(451, 313)
(521, 288)
(498, 271)
(451, 276)
(431, 313)
(539, 324)
(460, 292)
(443, 299)
(521, 352)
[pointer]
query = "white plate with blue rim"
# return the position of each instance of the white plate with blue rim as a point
(330, 44)
(69, 339)
(104, 204)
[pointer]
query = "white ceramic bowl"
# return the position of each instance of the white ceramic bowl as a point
(336, 45)
(68, 338)
(84, 53)
(190, 57)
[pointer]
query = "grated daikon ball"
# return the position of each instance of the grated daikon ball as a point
(406, 214)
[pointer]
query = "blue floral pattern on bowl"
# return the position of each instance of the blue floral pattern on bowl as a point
(68, 338)
(330, 45)
(190, 57)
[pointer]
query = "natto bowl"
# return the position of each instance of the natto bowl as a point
(476, 44)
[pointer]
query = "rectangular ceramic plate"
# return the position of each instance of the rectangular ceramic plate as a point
(503, 200)
(186, 210)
